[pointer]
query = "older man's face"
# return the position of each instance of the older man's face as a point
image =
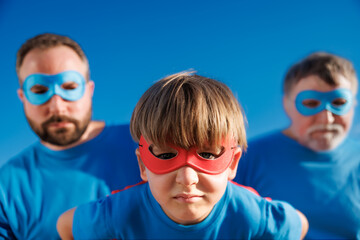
(57, 122)
(324, 130)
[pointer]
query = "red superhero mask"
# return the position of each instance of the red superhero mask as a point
(186, 158)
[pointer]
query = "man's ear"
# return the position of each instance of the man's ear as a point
(91, 86)
(141, 166)
(286, 104)
(234, 164)
(355, 103)
(20, 94)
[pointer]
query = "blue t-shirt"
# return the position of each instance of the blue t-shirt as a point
(135, 214)
(39, 184)
(325, 186)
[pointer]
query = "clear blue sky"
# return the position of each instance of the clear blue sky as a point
(249, 45)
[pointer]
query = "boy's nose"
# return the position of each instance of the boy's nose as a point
(187, 176)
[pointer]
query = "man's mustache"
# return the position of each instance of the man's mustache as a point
(58, 119)
(325, 127)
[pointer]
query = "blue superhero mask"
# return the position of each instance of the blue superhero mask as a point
(338, 101)
(39, 88)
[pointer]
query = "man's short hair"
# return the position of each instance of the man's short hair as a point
(324, 65)
(46, 41)
(187, 110)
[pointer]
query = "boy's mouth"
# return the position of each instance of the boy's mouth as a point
(188, 198)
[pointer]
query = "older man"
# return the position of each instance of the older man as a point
(77, 159)
(312, 164)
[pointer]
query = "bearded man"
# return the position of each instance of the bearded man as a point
(76, 159)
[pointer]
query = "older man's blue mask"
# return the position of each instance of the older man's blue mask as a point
(39, 88)
(310, 102)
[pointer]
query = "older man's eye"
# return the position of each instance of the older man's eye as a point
(166, 155)
(311, 103)
(207, 155)
(39, 89)
(338, 102)
(69, 85)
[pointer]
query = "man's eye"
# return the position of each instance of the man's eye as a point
(338, 102)
(39, 89)
(310, 103)
(207, 155)
(166, 155)
(69, 85)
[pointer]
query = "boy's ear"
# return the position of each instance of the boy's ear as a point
(141, 166)
(234, 164)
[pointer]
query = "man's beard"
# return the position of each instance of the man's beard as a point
(61, 136)
(322, 142)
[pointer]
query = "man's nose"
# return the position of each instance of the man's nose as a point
(325, 117)
(57, 105)
(187, 176)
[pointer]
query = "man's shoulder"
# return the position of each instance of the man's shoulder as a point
(117, 130)
(18, 164)
(351, 143)
(20, 159)
(268, 137)
(118, 126)
(262, 144)
(118, 135)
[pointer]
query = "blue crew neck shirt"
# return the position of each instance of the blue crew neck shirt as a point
(325, 186)
(39, 184)
(135, 214)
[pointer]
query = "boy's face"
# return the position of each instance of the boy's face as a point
(186, 195)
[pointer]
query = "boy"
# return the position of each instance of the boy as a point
(191, 134)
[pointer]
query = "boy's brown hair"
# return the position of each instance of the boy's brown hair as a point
(324, 65)
(46, 41)
(188, 110)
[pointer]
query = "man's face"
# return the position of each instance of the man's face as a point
(324, 130)
(57, 121)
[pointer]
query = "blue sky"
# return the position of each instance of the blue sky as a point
(248, 45)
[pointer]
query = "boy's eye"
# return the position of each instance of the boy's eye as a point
(338, 102)
(69, 85)
(166, 155)
(39, 89)
(311, 103)
(207, 155)
(163, 152)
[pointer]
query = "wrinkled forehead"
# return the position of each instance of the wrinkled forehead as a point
(315, 83)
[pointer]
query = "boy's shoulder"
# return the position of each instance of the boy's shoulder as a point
(239, 189)
(269, 217)
(132, 187)
(130, 196)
